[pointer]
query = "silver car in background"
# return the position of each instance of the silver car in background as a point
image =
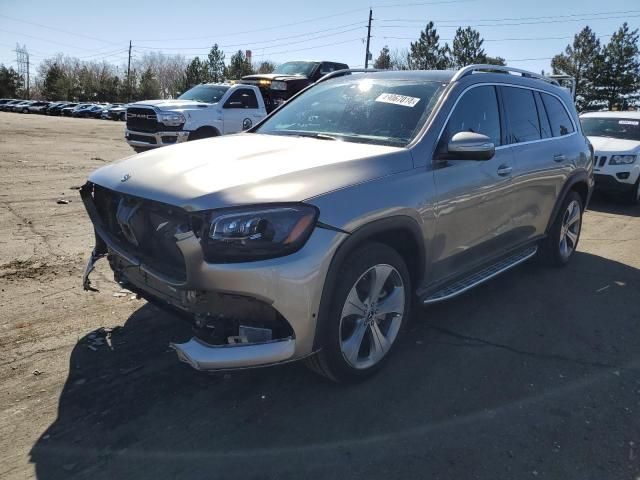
(310, 236)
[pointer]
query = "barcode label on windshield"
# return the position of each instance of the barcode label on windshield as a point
(629, 122)
(398, 99)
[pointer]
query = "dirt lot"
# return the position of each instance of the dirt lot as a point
(535, 375)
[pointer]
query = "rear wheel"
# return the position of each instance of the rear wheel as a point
(370, 305)
(560, 244)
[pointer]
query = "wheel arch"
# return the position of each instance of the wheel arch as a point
(577, 182)
(204, 132)
(401, 232)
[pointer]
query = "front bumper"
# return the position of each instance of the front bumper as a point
(154, 140)
(291, 286)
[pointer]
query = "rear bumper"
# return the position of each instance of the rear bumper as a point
(154, 140)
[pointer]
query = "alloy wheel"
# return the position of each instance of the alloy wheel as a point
(570, 229)
(372, 316)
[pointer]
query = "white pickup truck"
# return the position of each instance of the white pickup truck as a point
(206, 110)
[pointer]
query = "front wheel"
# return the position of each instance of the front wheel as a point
(560, 244)
(369, 307)
(633, 197)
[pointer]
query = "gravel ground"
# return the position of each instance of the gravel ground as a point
(534, 375)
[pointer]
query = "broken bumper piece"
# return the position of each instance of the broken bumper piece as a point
(203, 356)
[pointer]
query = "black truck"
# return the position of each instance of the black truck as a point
(288, 79)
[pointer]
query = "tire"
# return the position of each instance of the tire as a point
(140, 149)
(633, 197)
(203, 133)
(349, 351)
(560, 244)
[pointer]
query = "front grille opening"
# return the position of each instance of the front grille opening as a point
(145, 229)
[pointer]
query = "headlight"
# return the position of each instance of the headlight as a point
(171, 119)
(278, 85)
(255, 233)
(622, 159)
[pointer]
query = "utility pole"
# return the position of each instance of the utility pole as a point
(128, 75)
(22, 59)
(367, 54)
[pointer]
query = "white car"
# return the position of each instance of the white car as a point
(615, 137)
(206, 110)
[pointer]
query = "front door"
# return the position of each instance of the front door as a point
(241, 111)
(475, 198)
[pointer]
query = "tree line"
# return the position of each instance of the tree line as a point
(607, 75)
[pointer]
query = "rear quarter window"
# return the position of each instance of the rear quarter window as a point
(560, 120)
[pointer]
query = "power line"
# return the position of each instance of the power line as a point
(616, 12)
(57, 29)
(257, 45)
(439, 25)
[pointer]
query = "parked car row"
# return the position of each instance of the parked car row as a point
(111, 111)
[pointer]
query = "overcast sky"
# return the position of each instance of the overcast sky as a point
(526, 33)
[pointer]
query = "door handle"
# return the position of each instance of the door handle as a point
(559, 158)
(504, 170)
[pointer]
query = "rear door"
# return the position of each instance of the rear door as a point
(541, 156)
(241, 111)
(474, 197)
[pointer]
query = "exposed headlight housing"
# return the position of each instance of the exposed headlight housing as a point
(278, 85)
(622, 159)
(257, 233)
(171, 119)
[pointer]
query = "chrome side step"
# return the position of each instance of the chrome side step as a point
(481, 276)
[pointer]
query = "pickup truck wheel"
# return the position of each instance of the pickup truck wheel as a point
(370, 305)
(560, 244)
(203, 133)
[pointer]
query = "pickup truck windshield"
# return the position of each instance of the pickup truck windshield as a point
(621, 128)
(296, 68)
(205, 93)
(362, 110)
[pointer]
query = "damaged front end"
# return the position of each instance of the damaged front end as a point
(154, 251)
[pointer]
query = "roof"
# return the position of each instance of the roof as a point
(631, 114)
(425, 75)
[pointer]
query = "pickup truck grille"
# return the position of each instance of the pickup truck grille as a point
(140, 119)
(145, 229)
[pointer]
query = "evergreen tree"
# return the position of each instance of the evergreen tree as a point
(467, 48)
(10, 82)
(216, 66)
(582, 60)
(239, 66)
(383, 61)
(426, 53)
(53, 86)
(196, 73)
(495, 61)
(149, 87)
(619, 79)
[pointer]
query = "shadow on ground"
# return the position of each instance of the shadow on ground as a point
(533, 375)
(613, 205)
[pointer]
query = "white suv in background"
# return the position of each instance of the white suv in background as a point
(615, 137)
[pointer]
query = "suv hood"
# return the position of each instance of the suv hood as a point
(170, 104)
(249, 168)
(614, 145)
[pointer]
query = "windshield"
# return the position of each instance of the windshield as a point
(622, 128)
(364, 110)
(296, 68)
(205, 93)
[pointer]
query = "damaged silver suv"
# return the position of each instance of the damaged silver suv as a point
(312, 235)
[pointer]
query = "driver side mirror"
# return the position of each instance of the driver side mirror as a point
(471, 146)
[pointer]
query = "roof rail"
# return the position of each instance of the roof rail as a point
(469, 69)
(347, 71)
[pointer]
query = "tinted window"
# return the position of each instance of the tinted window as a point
(545, 126)
(477, 112)
(522, 114)
(205, 93)
(622, 128)
(246, 98)
(296, 68)
(558, 116)
(361, 110)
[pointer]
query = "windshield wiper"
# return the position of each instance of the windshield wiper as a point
(319, 136)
